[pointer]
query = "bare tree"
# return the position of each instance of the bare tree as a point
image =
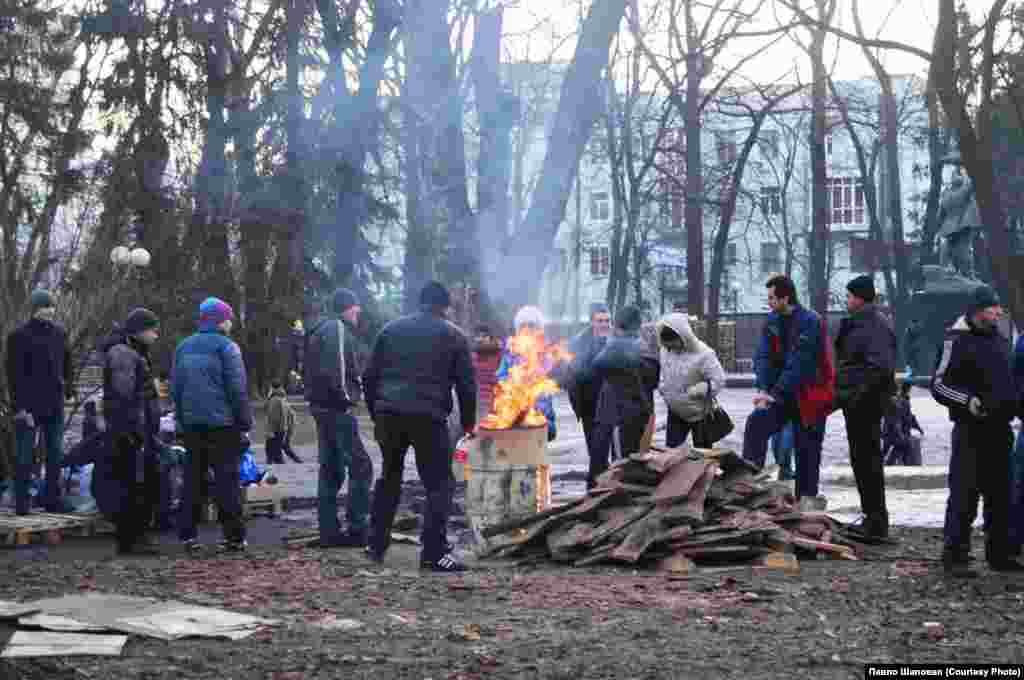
(526, 255)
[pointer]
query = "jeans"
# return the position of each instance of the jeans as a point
(807, 440)
(782, 451)
(631, 433)
(978, 467)
(222, 451)
(53, 439)
(341, 453)
(279, 445)
(430, 441)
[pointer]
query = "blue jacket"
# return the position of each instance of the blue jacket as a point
(208, 384)
(628, 379)
(784, 365)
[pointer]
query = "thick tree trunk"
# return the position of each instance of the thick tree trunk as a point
(526, 255)
(693, 208)
(818, 246)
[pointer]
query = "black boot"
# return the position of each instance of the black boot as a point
(954, 564)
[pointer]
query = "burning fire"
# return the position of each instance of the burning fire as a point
(515, 398)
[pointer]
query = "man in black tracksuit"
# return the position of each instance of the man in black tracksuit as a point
(416, 361)
(865, 382)
(974, 380)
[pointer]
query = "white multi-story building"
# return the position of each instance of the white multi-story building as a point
(772, 222)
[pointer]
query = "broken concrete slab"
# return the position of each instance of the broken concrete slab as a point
(14, 610)
(166, 620)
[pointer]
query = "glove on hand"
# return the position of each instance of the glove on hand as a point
(26, 419)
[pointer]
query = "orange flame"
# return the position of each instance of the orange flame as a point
(515, 397)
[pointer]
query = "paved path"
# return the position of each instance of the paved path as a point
(916, 494)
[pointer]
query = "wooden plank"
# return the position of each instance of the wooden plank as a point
(29, 643)
(527, 520)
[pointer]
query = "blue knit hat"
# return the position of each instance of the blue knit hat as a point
(213, 312)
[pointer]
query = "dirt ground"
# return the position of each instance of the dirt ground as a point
(341, 617)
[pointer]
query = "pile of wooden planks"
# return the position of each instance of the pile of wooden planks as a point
(674, 508)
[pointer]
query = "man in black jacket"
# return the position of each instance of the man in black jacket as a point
(131, 409)
(628, 377)
(416, 361)
(865, 382)
(974, 381)
(39, 379)
(582, 385)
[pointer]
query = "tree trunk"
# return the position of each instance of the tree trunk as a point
(818, 247)
(527, 254)
(693, 209)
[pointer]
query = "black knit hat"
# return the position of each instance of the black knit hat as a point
(343, 299)
(863, 287)
(139, 320)
(435, 294)
(629, 318)
(982, 298)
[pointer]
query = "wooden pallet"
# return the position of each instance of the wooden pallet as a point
(45, 527)
(254, 500)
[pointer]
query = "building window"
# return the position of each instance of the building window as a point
(771, 201)
(845, 200)
(600, 206)
(600, 261)
(771, 258)
(726, 143)
(828, 145)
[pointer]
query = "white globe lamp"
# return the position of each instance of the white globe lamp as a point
(139, 257)
(120, 255)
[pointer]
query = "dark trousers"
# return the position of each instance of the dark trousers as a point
(631, 433)
(341, 454)
(279, 445)
(52, 430)
(598, 449)
(135, 508)
(220, 450)
(864, 436)
(431, 442)
(763, 423)
(979, 467)
(677, 430)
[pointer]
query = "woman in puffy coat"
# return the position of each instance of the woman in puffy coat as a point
(691, 376)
